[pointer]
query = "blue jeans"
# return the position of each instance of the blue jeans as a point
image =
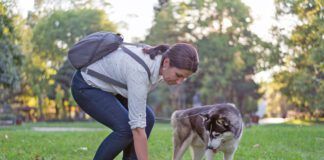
(111, 111)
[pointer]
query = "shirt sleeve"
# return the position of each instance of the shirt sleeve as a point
(138, 87)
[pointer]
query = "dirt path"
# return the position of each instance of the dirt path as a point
(65, 129)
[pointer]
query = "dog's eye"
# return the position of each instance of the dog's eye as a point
(215, 134)
(219, 121)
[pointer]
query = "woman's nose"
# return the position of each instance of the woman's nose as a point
(180, 80)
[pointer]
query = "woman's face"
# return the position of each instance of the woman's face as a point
(173, 75)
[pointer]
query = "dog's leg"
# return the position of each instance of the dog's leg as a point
(229, 155)
(177, 155)
(179, 149)
(182, 135)
(197, 152)
(209, 154)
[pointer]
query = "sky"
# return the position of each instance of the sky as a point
(137, 17)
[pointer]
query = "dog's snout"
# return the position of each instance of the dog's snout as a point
(210, 147)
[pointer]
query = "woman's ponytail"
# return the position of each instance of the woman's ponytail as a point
(157, 50)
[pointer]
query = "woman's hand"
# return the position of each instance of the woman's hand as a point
(140, 143)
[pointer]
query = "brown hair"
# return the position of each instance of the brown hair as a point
(181, 55)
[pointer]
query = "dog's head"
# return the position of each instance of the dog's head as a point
(218, 129)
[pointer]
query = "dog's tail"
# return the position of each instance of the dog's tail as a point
(174, 116)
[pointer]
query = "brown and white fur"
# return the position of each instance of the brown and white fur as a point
(207, 130)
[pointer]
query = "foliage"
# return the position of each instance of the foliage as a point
(230, 54)
(302, 77)
(163, 29)
(47, 70)
(60, 30)
(10, 55)
(277, 103)
(45, 7)
(226, 69)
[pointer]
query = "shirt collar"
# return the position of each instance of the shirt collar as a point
(156, 69)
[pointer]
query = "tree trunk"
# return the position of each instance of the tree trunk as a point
(240, 100)
(40, 107)
(64, 111)
(57, 111)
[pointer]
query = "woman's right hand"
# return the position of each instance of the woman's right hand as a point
(140, 143)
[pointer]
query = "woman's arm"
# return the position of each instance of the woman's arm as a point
(140, 143)
(137, 90)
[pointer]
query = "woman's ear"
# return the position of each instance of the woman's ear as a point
(166, 63)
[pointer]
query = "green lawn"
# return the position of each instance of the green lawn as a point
(270, 142)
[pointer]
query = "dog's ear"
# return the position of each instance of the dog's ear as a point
(226, 123)
(204, 116)
(223, 121)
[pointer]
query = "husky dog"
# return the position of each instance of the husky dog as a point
(207, 130)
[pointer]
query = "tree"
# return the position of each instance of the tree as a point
(303, 69)
(230, 54)
(60, 30)
(227, 72)
(60, 91)
(163, 29)
(52, 36)
(10, 55)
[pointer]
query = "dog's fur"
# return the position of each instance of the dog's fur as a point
(207, 130)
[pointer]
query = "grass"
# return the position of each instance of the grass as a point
(270, 142)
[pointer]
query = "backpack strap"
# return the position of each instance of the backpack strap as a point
(104, 78)
(112, 81)
(136, 44)
(138, 59)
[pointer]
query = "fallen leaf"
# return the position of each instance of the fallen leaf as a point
(83, 148)
(256, 145)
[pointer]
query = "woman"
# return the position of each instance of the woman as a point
(125, 111)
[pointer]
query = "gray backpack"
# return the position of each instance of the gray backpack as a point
(94, 47)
